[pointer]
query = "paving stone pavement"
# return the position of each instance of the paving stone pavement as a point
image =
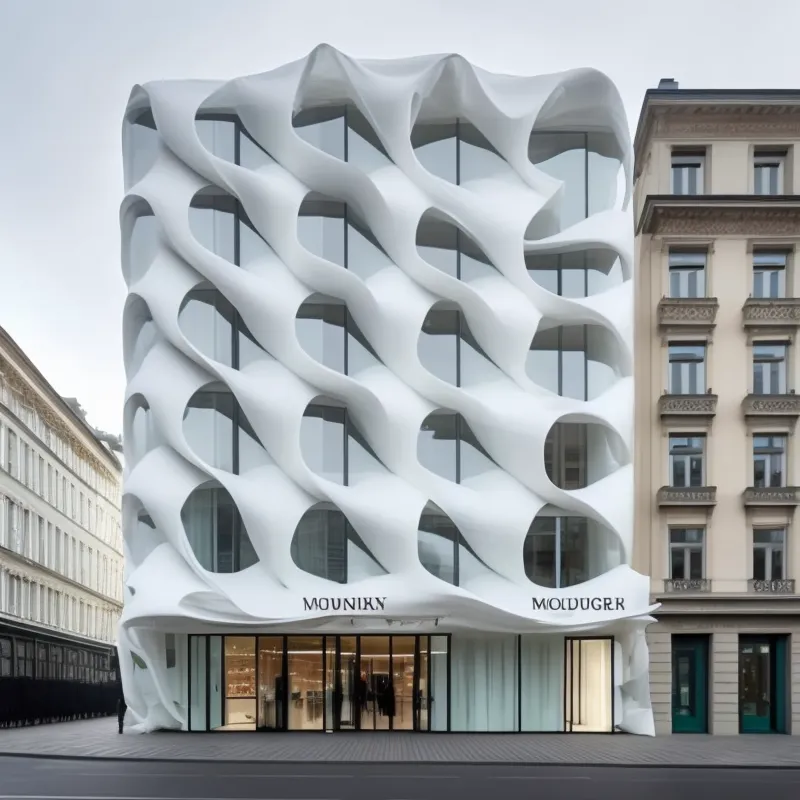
(98, 738)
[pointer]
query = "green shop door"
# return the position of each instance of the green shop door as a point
(689, 684)
(762, 684)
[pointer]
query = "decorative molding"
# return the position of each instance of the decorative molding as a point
(725, 122)
(690, 312)
(768, 312)
(780, 586)
(11, 375)
(673, 585)
(772, 496)
(768, 405)
(687, 496)
(687, 405)
(711, 220)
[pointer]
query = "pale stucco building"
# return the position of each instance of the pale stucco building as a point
(717, 369)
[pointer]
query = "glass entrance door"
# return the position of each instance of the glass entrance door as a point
(762, 684)
(689, 684)
(589, 686)
(379, 706)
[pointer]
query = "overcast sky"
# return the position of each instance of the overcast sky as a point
(67, 68)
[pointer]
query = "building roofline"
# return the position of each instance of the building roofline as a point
(697, 97)
(17, 352)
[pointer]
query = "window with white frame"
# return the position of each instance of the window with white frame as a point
(687, 271)
(686, 457)
(769, 554)
(769, 367)
(688, 167)
(687, 368)
(768, 171)
(13, 454)
(769, 461)
(769, 273)
(686, 561)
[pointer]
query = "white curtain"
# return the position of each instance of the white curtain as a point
(542, 671)
(484, 683)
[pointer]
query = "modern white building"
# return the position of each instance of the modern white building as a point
(61, 564)
(379, 414)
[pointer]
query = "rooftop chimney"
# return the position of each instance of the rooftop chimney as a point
(668, 83)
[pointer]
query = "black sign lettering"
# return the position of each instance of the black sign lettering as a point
(344, 603)
(578, 603)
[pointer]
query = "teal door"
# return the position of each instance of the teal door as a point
(762, 684)
(689, 684)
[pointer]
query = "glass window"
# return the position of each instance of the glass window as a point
(769, 461)
(455, 151)
(686, 455)
(211, 324)
(447, 447)
(325, 544)
(687, 273)
(343, 132)
(445, 246)
(442, 549)
(687, 171)
(209, 423)
(769, 274)
(449, 351)
(216, 531)
(564, 156)
(768, 169)
(769, 368)
(565, 551)
(769, 554)
(578, 361)
(576, 274)
(686, 560)
(687, 369)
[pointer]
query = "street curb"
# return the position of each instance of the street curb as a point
(398, 762)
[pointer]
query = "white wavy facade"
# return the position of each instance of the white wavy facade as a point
(378, 421)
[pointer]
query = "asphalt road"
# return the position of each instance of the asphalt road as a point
(48, 779)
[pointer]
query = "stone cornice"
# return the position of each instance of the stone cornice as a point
(720, 215)
(716, 115)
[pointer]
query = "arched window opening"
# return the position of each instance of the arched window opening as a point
(328, 333)
(581, 273)
(562, 551)
(449, 351)
(212, 325)
(219, 433)
(447, 247)
(455, 151)
(225, 136)
(442, 549)
(325, 544)
(342, 131)
(447, 447)
(577, 361)
(577, 454)
(333, 230)
(332, 445)
(216, 532)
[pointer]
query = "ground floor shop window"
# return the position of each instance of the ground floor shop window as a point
(491, 683)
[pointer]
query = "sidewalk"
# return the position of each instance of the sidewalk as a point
(98, 738)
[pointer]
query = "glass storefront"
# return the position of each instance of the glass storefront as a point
(491, 683)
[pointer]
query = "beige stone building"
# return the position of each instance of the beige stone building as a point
(718, 367)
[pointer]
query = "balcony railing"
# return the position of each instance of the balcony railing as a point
(689, 585)
(779, 586)
(688, 312)
(687, 496)
(772, 496)
(771, 312)
(771, 405)
(687, 405)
